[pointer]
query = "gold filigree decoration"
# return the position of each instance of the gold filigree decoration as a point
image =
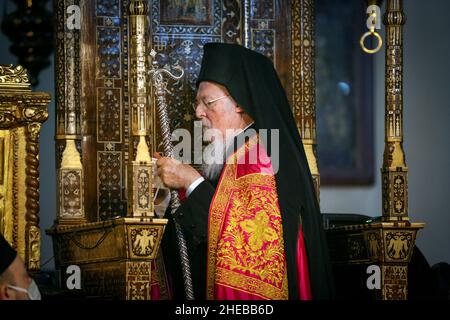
(32, 192)
(395, 283)
(303, 81)
(17, 109)
(138, 280)
(143, 241)
(251, 237)
(246, 238)
(394, 169)
(35, 114)
(374, 246)
(398, 245)
(13, 75)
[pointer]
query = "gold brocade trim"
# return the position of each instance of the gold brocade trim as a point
(242, 283)
(246, 248)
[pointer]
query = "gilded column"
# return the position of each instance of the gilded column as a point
(70, 173)
(139, 182)
(394, 171)
(303, 81)
(21, 114)
(388, 244)
(397, 233)
(33, 233)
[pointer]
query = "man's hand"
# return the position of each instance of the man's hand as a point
(175, 174)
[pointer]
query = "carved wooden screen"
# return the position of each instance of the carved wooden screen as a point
(179, 33)
(92, 66)
(21, 114)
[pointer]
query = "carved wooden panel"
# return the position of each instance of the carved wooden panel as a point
(21, 114)
(178, 38)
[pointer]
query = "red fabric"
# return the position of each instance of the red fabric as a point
(246, 259)
(182, 194)
(160, 288)
(304, 285)
(254, 160)
(155, 290)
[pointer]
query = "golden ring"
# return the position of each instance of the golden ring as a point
(377, 35)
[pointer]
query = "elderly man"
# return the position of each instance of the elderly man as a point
(253, 229)
(15, 283)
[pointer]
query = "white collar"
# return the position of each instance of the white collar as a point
(248, 126)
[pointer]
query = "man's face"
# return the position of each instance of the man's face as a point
(222, 114)
(18, 276)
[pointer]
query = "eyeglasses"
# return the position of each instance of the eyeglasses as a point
(209, 103)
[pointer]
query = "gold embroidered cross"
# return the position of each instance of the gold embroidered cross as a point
(259, 230)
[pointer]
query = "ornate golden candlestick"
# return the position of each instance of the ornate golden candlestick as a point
(70, 172)
(394, 171)
(140, 177)
(388, 244)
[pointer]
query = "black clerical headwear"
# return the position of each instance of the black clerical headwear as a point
(7, 254)
(253, 82)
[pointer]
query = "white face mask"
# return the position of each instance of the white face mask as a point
(32, 292)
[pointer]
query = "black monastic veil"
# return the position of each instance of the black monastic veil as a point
(253, 82)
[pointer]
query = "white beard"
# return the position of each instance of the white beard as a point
(213, 162)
